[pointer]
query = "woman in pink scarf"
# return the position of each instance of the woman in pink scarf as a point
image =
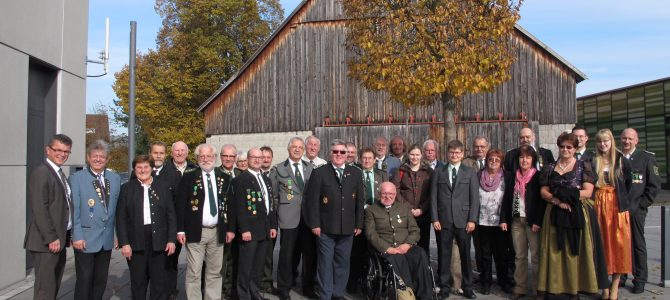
(522, 214)
(493, 243)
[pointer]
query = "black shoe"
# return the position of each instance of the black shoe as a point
(444, 293)
(469, 294)
(622, 281)
(309, 293)
(337, 298)
(284, 295)
(486, 289)
(638, 288)
(353, 289)
(508, 289)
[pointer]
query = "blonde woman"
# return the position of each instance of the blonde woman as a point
(611, 206)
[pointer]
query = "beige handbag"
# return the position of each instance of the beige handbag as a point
(403, 292)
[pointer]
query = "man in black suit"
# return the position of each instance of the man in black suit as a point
(582, 135)
(454, 211)
(228, 158)
(643, 191)
(179, 158)
(170, 177)
(204, 223)
(527, 137)
(266, 279)
(256, 222)
(335, 197)
(50, 211)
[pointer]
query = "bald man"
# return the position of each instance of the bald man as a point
(527, 137)
(643, 191)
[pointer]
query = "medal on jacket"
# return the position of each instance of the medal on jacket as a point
(325, 200)
(399, 220)
(289, 193)
(194, 204)
(91, 203)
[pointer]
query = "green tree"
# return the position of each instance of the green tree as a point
(200, 45)
(420, 51)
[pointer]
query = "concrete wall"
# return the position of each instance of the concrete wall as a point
(549, 133)
(278, 141)
(55, 33)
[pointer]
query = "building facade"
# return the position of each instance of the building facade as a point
(43, 86)
(298, 82)
(644, 106)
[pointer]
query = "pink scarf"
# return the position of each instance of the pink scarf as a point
(490, 183)
(522, 180)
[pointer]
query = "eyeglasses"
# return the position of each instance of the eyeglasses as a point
(569, 147)
(387, 194)
(65, 152)
(493, 159)
(342, 152)
(254, 157)
(455, 152)
(228, 156)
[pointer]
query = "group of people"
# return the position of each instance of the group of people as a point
(580, 218)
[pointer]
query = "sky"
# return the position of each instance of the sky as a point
(615, 43)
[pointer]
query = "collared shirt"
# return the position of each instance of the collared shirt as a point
(628, 156)
(158, 170)
(181, 168)
(264, 188)
(67, 190)
(380, 161)
(146, 203)
(100, 176)
(450, 168)
(299, 162)
(230, 172)
(316, 162)
(207, 218)
(433, 164)
(339, 167)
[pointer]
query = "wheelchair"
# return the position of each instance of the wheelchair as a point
(380, 281)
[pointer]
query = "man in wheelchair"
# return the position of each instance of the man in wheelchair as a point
(391, 229)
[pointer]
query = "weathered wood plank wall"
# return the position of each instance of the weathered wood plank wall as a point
(301, 77)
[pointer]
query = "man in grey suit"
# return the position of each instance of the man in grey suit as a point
(454, 201)
(49, 206)
(289, 179)
(95, 192)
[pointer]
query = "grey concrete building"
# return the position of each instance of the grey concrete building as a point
(42, 92)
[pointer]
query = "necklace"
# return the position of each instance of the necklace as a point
(566, 165)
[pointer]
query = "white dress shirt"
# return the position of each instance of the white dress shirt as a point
(207, 219)
(67, 190)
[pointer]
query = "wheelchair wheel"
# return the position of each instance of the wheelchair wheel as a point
(373, 278)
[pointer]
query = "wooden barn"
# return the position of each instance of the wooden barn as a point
(297, 84)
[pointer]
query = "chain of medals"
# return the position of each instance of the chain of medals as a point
(98, 190)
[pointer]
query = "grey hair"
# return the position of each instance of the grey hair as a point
(241, 155)
(201, 146)
(229, 146)
(311, 137)
(293, 139)
(338, 142)
(431, 141)
(481, 137)
(98, 145)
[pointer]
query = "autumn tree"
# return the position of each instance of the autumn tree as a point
(420, 51)
(200, 45)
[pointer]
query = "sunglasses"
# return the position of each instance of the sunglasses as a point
(569, 147)
(340, 152)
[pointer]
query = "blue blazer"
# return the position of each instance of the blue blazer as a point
(93, 222)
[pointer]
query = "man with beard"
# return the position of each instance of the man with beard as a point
(384, 162)
(203, 223)
(398, 147)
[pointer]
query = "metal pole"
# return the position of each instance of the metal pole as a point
(665, 247)
(131, 97)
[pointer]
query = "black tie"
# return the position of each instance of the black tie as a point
(578, 155)
(210, 194)
(453, 177)
(103, 190)
(260, 184)
(298, 176)
(63, 180)
(370, 193)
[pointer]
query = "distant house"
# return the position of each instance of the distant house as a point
(644, 106)
(43, 86)
(297, 84)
